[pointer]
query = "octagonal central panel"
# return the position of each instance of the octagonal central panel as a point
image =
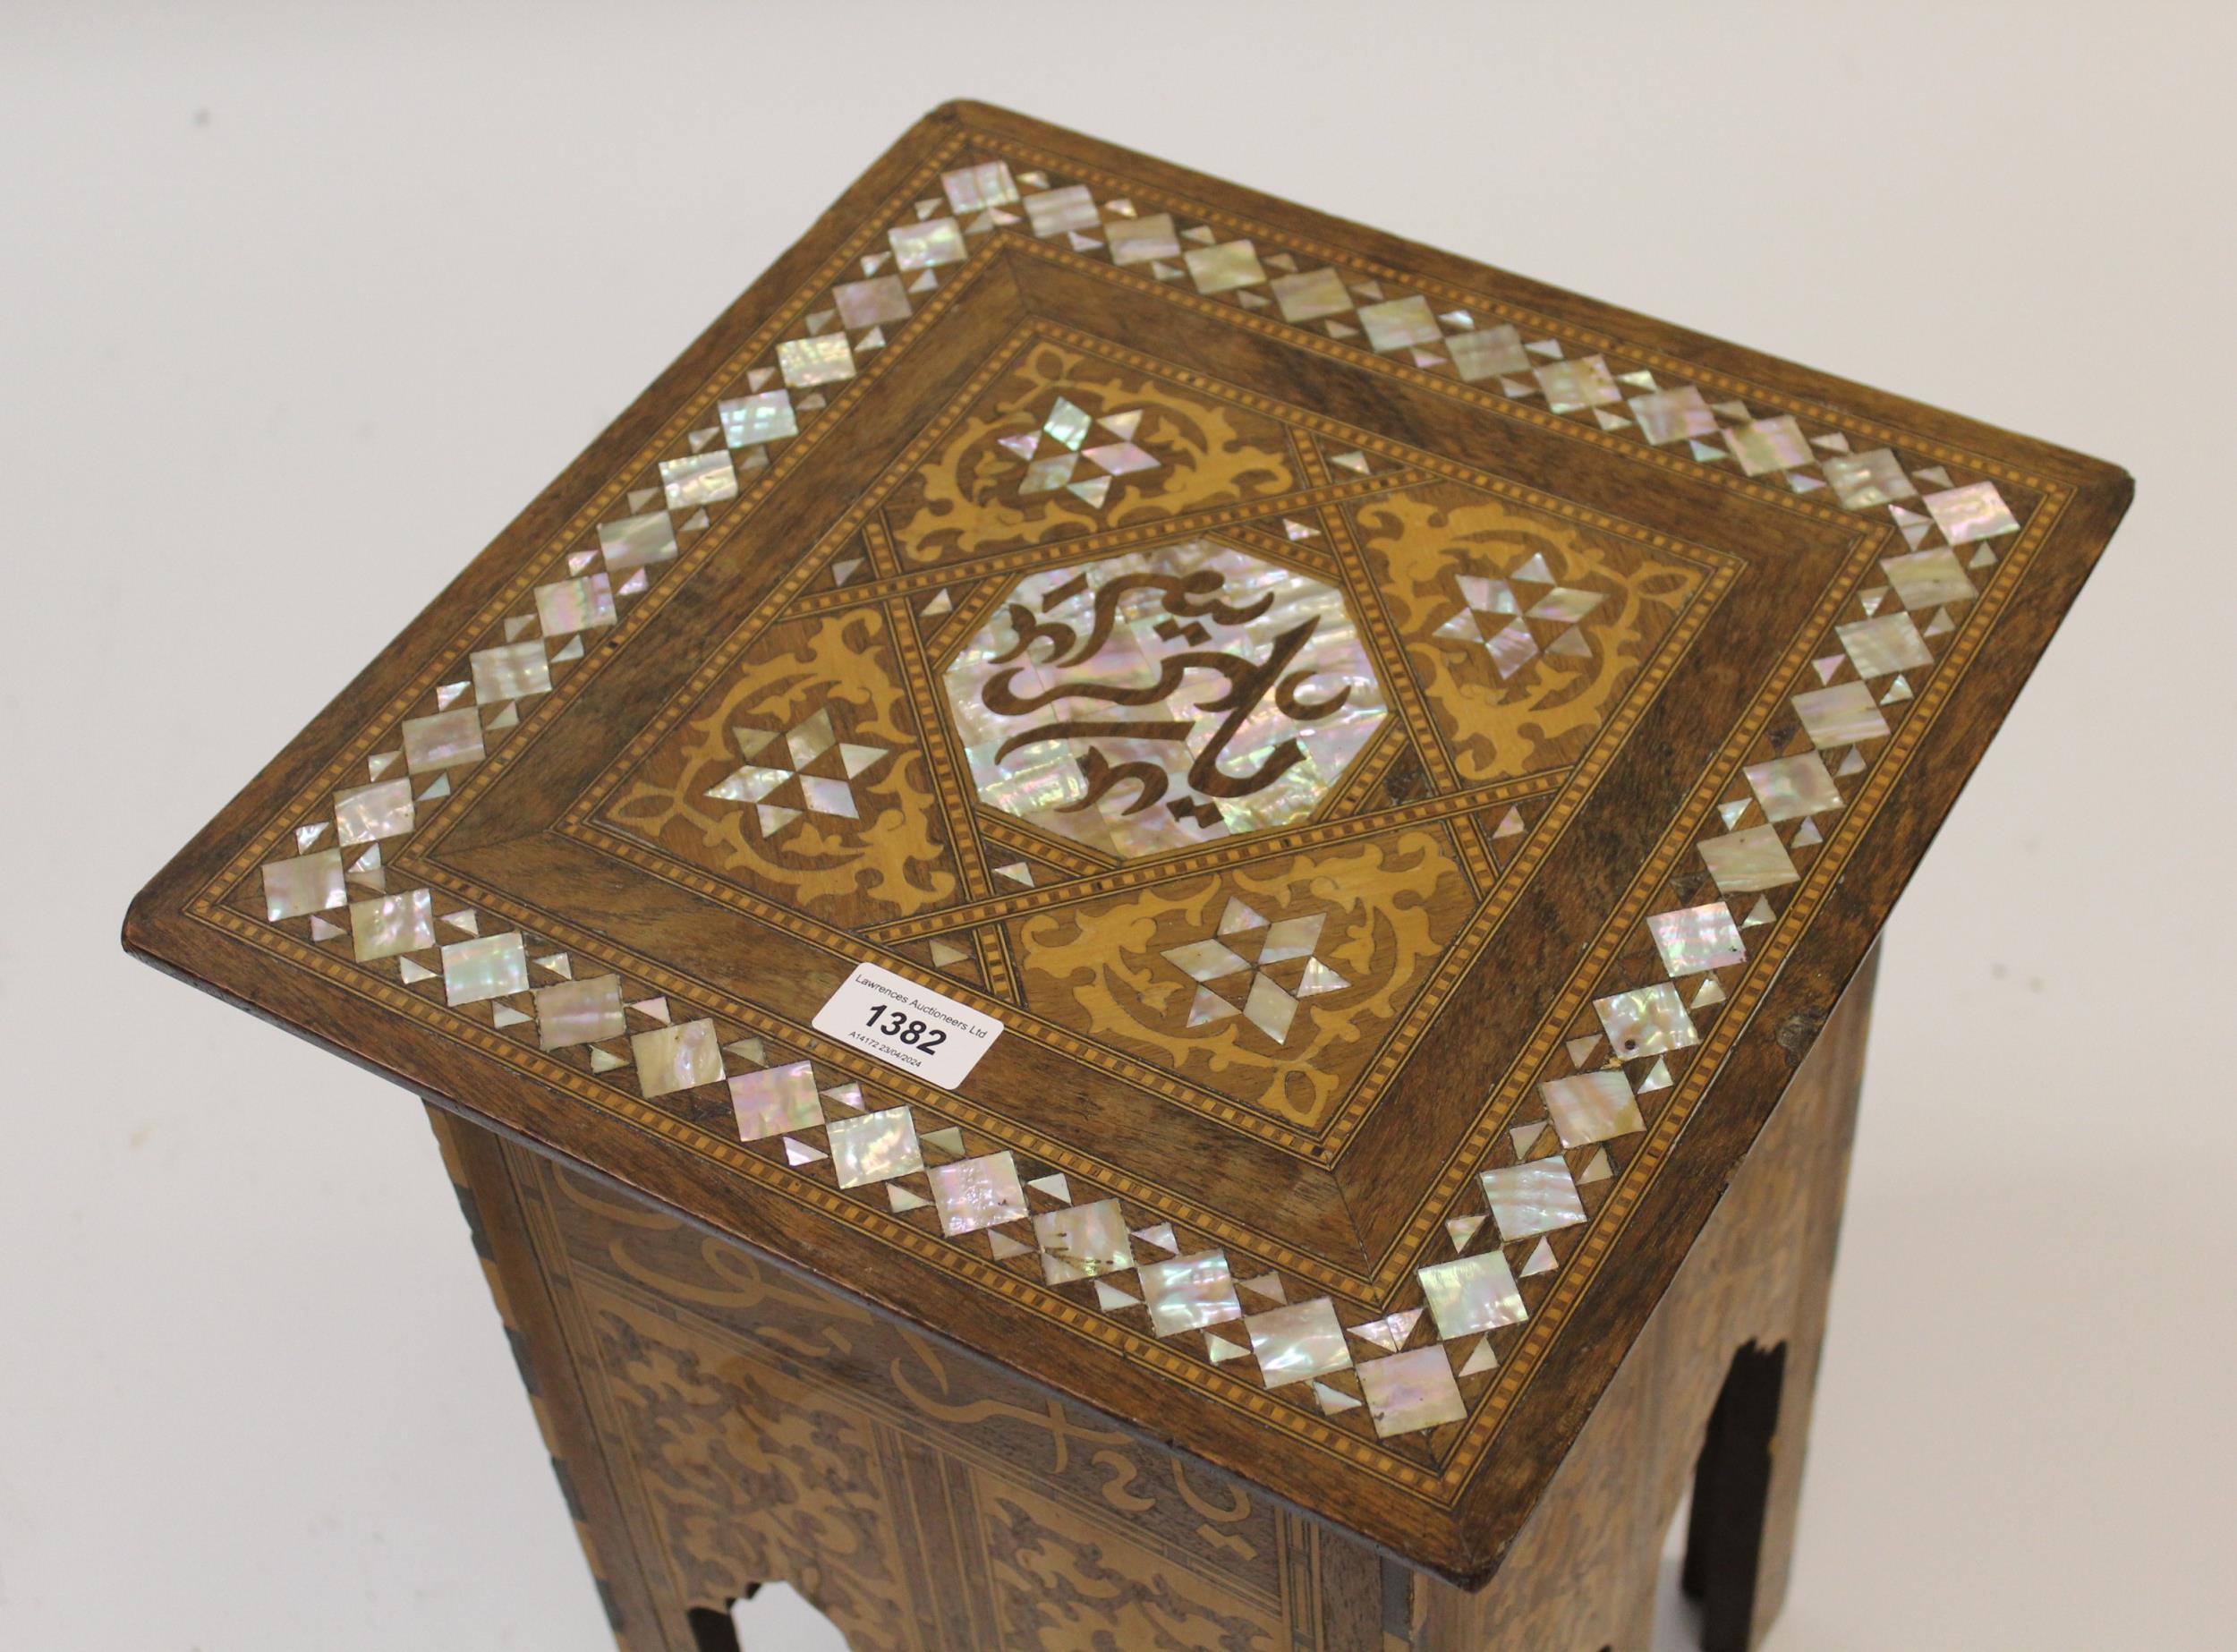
(1162, 699)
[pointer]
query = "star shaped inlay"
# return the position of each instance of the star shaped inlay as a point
(811, 756)
(1266, 1004)
(1497, 615)
(1053, 453)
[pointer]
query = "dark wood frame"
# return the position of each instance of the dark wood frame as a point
(1468, 1541)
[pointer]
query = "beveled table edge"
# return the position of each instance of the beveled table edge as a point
(1465, 1541)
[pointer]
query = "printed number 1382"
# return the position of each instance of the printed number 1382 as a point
(895, 1025)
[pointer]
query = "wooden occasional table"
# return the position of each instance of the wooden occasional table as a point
(1147, 922)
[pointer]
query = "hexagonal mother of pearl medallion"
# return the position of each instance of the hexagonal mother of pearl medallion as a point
(1163, 698)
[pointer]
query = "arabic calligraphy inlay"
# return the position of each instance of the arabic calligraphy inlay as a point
(1160, 699)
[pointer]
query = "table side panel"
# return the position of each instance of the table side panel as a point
(760, 1427)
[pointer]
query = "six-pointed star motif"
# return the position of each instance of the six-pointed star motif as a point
(811, 757)
(1266, 1004)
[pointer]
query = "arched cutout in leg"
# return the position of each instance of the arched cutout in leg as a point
(712, 1630)
(1731, 1490)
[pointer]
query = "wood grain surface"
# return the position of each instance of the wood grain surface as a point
(1476, 872)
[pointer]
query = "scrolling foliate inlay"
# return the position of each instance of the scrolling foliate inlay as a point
(1272, 982)
(703, 1352)
(979, 491)
(1524, 630)
(754, 1475)
(1062, 1585)
(1073, 449)
(802, 778)
(1101, 716)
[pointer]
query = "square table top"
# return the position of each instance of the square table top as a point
(1408, 756)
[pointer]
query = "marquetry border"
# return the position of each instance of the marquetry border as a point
(208, 904)
(585, 819)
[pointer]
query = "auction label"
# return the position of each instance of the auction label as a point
(906, 1026)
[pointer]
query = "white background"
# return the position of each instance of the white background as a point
(302, 302)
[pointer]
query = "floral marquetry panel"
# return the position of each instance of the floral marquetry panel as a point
(1273, 983)
(1064, 441)
(803, 778)
(1403, 761)
(1522, 628)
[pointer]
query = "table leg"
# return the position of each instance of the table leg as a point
(718, 1422)
(1715, 1392)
